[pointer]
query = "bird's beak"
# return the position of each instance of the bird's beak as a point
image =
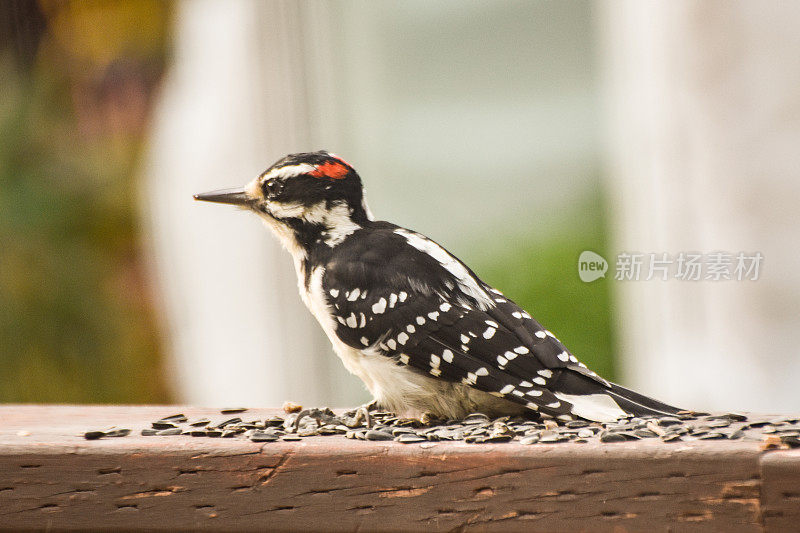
(238, 196)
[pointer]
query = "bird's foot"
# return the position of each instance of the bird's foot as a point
(362, 414)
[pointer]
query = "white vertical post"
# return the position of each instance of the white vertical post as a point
(236, 99)
(704, 156)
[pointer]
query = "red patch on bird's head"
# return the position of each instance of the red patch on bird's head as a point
(330, 169)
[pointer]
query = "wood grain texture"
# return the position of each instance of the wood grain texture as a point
(780, 492)
(53, 478)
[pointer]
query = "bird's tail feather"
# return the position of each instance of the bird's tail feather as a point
(639, 404)
(603, 401)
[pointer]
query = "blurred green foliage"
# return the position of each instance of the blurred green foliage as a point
(541, 275)
(77, 317)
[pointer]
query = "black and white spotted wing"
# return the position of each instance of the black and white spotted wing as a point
(397, 300)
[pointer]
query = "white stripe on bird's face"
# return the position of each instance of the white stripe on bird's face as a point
(289, 171)
(336, 219)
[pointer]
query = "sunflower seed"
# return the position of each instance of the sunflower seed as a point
(169, 431)
(409, 438)
(577, 424)
(738, 434)
(498, 438)
(736, 417)
(260, 436)
(723, 423)
(713, 436)
(230, 421)
(792, 441)
(375, 434)
(232, 410)
(178, 419)
(606, 436)
(476, 418)
(551, 439)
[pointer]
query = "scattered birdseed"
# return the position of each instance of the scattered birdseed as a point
(370, 423)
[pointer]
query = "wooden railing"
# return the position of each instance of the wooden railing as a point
(51, 477)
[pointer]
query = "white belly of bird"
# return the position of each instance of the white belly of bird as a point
(398, 388)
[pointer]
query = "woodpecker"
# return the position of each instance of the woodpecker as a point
(411, 320)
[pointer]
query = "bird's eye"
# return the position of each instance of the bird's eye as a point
(273, 187)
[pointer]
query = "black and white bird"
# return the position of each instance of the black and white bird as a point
(419, 328)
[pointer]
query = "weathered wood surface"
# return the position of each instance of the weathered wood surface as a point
(52, 478)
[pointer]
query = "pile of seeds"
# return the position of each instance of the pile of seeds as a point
(364, 424)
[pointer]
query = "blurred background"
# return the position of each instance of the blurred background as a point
(516, 133)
